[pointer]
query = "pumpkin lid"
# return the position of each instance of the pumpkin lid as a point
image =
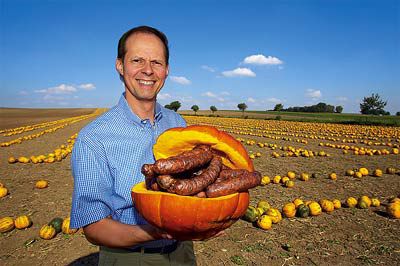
(177, 140)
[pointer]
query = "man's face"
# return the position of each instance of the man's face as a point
(144, 68)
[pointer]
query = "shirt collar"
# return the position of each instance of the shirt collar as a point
(131, 116)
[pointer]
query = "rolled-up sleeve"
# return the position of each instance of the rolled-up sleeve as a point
(93, 184)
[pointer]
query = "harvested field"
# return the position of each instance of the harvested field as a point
(347, 236)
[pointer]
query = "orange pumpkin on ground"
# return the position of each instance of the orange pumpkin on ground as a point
(41, 184)
(186, 217)
(393, 209)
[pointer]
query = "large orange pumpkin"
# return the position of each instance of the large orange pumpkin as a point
(186, 217)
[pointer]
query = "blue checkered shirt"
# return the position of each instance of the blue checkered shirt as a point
(106, 162)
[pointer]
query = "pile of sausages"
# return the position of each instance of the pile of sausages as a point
(198, 172)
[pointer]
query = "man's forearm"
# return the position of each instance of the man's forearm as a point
(110, 233)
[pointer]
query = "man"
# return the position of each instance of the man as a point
(108, 155)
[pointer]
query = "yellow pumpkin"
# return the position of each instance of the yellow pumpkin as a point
(337, 204)
(350, 172)
(351, 202)
(378, 172)
(358, 174)
(315, 208)
(289, 210)
(264, 222)
(327, 205)
(265, 180)
(333, 176)
(304, 176)
(366, 199)
(275, 215)
(363, 171)
(22, 222)
(264, 205)
(186, 217)
(289, 183)
(42, 184)
(47, 232)
(284, 179)
(291, 174)
(12, 160)
(393, 209)
(375, 202)
(3, 192)
(65, 227)
(6, 224)
(277, 179)
(391, 170)
(298, 202)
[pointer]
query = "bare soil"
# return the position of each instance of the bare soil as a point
(348, 236)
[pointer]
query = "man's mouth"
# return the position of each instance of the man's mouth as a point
(146, 82)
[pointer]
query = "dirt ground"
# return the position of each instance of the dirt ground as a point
(348, 236)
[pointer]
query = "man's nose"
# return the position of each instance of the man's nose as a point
(147, 69)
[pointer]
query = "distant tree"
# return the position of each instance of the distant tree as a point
(175, 105)
(213, 109)
(397, 113)
(195, 108)
(278, 107)
(242, 107)
(338, 109)
(373, 105)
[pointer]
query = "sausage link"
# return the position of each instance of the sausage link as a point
(230, 186)
(165, 181)
(196, 184)
(148, 170)
(230, 173)
(185, 161)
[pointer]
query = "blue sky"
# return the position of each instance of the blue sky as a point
(62, 53)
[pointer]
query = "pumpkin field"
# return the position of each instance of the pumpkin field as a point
(329, 194)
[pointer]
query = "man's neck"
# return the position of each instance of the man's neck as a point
(143, 109)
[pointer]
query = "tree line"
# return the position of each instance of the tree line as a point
(373, 105)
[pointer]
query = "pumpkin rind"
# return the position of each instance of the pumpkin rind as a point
(65, 227)
(56, 223)
(22, 222)
(186, 217)
(6, 224)
(47, 232)
(233, 153)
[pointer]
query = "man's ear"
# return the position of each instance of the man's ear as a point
(119, 66)
(167, 72)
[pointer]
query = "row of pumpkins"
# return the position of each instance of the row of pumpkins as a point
(47, 231)
(264, 215)
(40, 184)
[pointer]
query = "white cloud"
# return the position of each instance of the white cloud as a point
(163, 96)
(260, 59)
(87, 86)
(239, 72)
(342, 99)
(225, 93)
(53, 98)
(208, 68)
(22, 93)
(251, 100)
(274, 100)
(61, 89)
(209, 94)
(180, 80)
(313, 94)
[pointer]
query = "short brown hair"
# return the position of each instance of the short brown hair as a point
(142, 29)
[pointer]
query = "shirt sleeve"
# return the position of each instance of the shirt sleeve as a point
(93, 185)
(181, 121)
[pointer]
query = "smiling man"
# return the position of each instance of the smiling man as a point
(109, 153)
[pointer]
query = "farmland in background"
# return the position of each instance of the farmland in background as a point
(347, 236)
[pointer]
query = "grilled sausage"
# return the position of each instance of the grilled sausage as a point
(231, 173)
(230, 186)
(189, 160)
(196, 184)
